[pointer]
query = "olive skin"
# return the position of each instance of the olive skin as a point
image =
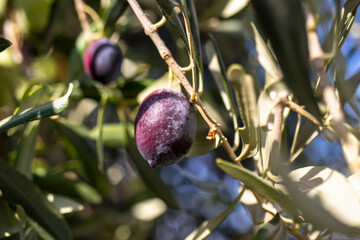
(165, 127)
(102, 60)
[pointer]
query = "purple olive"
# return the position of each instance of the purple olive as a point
(165, 127)
(102, 60)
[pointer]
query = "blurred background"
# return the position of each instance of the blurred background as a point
(126, 199)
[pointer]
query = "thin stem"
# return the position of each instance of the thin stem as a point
(297, 129)
(99, 126)
(79, 6)
(166, 55)
(300, 110)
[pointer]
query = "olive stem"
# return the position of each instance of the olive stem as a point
(79, 6)
(151, 31)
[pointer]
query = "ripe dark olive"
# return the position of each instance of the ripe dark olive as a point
(102, 60)
(165, 127)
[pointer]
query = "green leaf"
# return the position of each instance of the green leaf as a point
(9, 223)
(308, 132)
(150, 176)
(80, 149)
(60, 185)
(46, 110)
(272, 230)
(114, 134)
(232, 7)
(322, 193)
(218, 72)
(195, 35)
(19, 190)
(266, 58)
(64, 204)
(258, 185)
(26, 150)
(348, 87)
(167, 9)
(210, 225)
(200, 146)
(284, 24)
(246, 95)
(4, 44)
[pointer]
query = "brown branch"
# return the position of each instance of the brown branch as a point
(166, 55)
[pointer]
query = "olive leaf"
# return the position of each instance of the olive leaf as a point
(218, 72)
(208, 226)
(246, 96)
(258, 185)
(9, 223)
(308, 132)
(80, 149)
(19, 190)
(283, 22)
(4, 44)
(150, 176)
(26, 150)
(317, 191)
(167, 7)
(274, 229)
(46, 110)
(266, 58)
(72, 188)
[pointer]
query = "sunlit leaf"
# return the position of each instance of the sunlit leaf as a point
(232, 7)
(246, 95)
(46, 110)
(64, 204)
(272, 230)
(266, 58)
(210, 225)
(72, 188)
(9, 223)
(19, 190)
(4, 44)
(323, 193)
(278, 19)
(258, 185)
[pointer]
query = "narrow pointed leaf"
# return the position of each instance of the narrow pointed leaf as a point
(246, 95)
(284, 24)
(266, 58)
(258, 185)
(323, 193)
(4, 44)
(167, 9)
(26, 150)
(150, 177)
(19, 190)
(81, 150)
(60, 185)
(46, 110)
(206, 228)
(272, 230)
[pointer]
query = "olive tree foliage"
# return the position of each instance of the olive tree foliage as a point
(304, 74)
